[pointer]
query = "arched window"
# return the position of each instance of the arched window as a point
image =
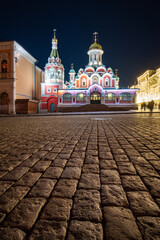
(4, 66)
(110, 98)
(125, 97)
(67, 98)
(107, 82)
(81, 97)
(83, 82)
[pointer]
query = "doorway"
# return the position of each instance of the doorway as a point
(95, 98)
(4, 103)
(52, 107)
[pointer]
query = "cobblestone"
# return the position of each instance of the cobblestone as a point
(80, 177)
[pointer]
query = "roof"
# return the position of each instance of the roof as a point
(95, 46)
(54, 53)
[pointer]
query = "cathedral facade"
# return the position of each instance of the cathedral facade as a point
(95, 84)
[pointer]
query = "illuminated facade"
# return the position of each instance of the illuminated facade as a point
(149, 87)
(19, 79)
(95, 84)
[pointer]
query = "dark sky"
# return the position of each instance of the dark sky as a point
(129, 32)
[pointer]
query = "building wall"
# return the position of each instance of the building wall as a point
(24, 78)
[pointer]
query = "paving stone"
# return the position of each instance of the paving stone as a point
(65, 188)
(113, 195)
(8, 165)
(42, 188)
(150, 156)
(132, 183)
(110, 177)
(25, 213)
(49, 230)
(156, 165)
(4, 185)
(86, 210)
(149, 227)
(118, 151)
(40, 166)
(127, 170)
(85, 230)
(71, 173)
(57, 209)
(108, 164)
(87, 182)
(105, 155)
(53, 172)
(153, 184)
(120, 224)
(14, 195)
(138, 160)
(75, 162)
(28, 179)
(50, 156)
(146, 171)
(58, 162)
(142, 204)
(91, 160)
(40, 154)
(91, 168)
(15, 174)
(29, 162)
(12, 234)
(121, 158)
(88, 195)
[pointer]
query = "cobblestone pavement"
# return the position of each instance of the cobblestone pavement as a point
(80, 177)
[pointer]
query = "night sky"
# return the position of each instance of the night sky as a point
(129, 32)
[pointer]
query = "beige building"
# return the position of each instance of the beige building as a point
(20, 79)
(149, 87)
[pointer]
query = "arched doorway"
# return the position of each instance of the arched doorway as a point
(95, 98)
(52, 104)
(4, 103)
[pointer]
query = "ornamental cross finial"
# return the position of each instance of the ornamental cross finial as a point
(54, 30)
(95, 36)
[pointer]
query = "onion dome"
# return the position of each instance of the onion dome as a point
(72, 69)
(95, 45)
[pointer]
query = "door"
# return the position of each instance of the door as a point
(4, 103)
(52, 107)
(95, 98)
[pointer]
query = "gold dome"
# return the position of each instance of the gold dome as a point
(95, 46)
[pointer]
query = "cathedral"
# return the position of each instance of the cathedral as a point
(94, 84)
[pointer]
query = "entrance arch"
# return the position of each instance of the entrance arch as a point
(95, 98)
(4, 103)
(52, 104)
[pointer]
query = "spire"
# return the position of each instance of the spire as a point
(54, 52)
(95, 36)
(54, 38)
(72, 66)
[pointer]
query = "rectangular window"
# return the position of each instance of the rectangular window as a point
(54, 90)
(107, 82)
(84, 83)
(48, 90)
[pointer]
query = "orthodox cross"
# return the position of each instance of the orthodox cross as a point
(95, 37)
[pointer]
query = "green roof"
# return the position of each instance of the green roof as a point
(54, 53)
